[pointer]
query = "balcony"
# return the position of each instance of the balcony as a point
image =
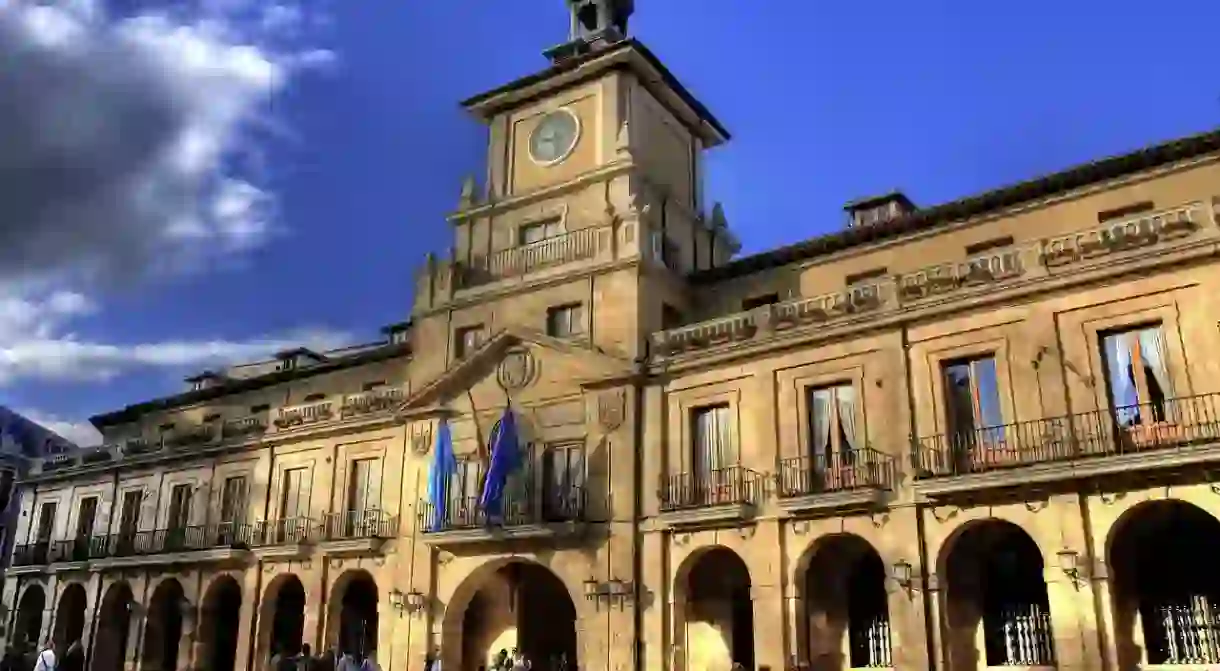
(557, 513)
(720, 496)
(191, 436)
(1034, 263)
(34, 554)
(857, 479)
(304, 414)
(212, 543)
(243, 427)
(578, 245)
(285, 539)
(356, 531)
(372, 401)
(1176, 433)
(70, 551)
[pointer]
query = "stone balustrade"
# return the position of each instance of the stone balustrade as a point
(982, 272)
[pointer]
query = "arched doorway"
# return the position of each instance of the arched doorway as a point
(113, 628)
(163, 628)
(220, 625)
(518, 604)
(717, 611)
(70, 615)
(845, 608)
(281, 618)
(28, 626)
(353, 611)
(1165, 587)
(996, 605)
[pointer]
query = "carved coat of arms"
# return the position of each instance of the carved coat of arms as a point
(611, 409)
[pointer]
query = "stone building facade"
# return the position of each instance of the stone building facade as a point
(978, 434)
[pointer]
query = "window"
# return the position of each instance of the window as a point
(46, 521)
(212, 417)
(712, 440)
(294, 495)
(314, 397)
(671, 317)
(233, 499)
(129, 517)
(6, 488)
(467, 340)
(834, 435)
(1137, 374)
(256, 409)
(563, 479)
(755, 302)
(364, 485)
(370, 386)
(86, 517)
(565, 320)
(179, 516)
(531, 233)
(1125, 211)
(464, 491)
(988, 245)
(972, 402)
(865, 276)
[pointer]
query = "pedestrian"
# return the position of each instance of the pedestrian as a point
(74, 658)
(305, 660)
(45, 661)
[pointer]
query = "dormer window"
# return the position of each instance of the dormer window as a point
(539, 231)
(878, 209)
(297, 358)
(397, 334)
(205, 380)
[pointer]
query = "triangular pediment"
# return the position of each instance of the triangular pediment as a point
(517, 363)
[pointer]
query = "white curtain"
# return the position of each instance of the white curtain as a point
(1122, 388)
(819, 425)
(1152, 348)
(713, 440)
(846, 396)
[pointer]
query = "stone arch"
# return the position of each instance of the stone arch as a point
(714, 610)
(1164, 589)
(113, 628)
(220, 624)
(994, 597)
(842, 604)
(281, 617)
(352, 617)
(164, 627)
(30, 609)
(70, 615)
(510, 602)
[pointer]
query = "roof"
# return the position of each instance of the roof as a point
(567, 65)
(23, 436)
(233, 386)
(1058, 183)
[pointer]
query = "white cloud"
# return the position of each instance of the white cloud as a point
(122, 135)
(80, 433)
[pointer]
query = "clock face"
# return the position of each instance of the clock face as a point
(554, 137)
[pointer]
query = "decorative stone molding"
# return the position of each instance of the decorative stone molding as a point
(611, 410)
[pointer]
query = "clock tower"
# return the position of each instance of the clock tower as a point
(594, 169)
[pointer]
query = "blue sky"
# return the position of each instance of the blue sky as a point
(827, 101)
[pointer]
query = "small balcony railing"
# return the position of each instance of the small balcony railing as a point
(180, 539)
(863, 468)
(733, 485)
(1172, 424)
(528, 258)
(31, 554)
(358, 524)
(74, 550)
(520, 508)
(288, 531)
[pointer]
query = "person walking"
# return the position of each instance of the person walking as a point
(45, 661)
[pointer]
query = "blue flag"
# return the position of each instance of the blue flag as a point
(505, 460)
(444, 465)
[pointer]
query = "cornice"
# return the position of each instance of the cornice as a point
(605, 172)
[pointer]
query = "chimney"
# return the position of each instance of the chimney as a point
(878, 209)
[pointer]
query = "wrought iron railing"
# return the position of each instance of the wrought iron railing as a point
(287, 531)
(719, 486)
(179, 539)
(869, 644)
(1170, 424)
(518, 507)
(1019, 635)
(31, 554)
(1183, 633)
(863, 468)
(353, 524)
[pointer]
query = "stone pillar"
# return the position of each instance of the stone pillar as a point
(190, 644)
(315, 610)
(796, 620)
(247, 635)
(933, 594)
(769, 643)
(908, 633)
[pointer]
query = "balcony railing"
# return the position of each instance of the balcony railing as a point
(181, 539)
(1174, 423)
(74, 550)
(307, 413)
(520, 508)
(847, 470)
(928, 286)
(288, 531)
(733, 485)
(358, 524)
(31, 554)
(374, 400)
(569, 247)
